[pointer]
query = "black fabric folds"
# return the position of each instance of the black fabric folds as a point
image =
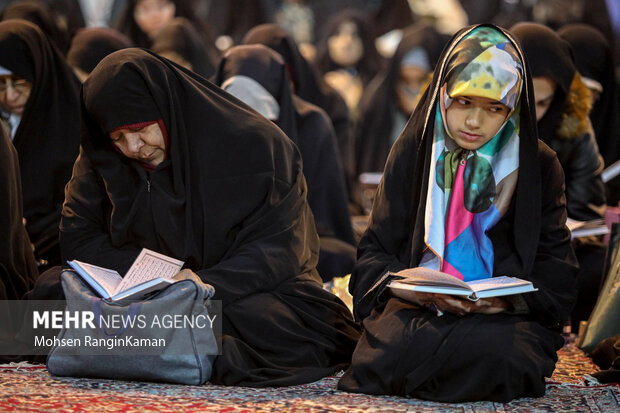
(407, 350)
(90, 46)
(41, 15)
(18, 270)
(47, 138)
(594, 60)
(181, 36)
(309, 86)
(550, 56)
(308, 126)
(229, 201)
(377, 106)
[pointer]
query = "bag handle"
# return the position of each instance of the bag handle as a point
(134, 309)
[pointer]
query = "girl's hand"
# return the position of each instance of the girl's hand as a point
(462, 306)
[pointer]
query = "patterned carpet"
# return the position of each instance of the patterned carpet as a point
(30, 389)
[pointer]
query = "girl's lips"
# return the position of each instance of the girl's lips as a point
(470, 136)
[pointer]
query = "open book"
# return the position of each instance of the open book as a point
(151, 271)
(580, 229)
(426, 280)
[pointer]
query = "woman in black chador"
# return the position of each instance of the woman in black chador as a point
(594, 59)
(563, 105)
(42, 110)
(390, 98)
(172, 163)
(309, 86)
(18, 270)
(468, 189)
(257, 75)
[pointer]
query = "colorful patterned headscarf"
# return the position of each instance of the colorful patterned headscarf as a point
(469, 191)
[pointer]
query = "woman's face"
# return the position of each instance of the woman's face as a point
(153, 15)
(473, 121)
(145, 144)
(345, 46)
(544, 90)
(14, 93)
(411, 80)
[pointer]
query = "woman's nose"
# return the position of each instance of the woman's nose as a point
(134, 143)
(473, 118)
(11, 93)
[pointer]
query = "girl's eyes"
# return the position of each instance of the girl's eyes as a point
(462, 101)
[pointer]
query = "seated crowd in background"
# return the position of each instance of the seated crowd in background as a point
(325, 92)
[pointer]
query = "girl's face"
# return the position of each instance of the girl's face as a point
(544, 90)
(153, 15)
(345, 46)
(145, 144)
(473, 121)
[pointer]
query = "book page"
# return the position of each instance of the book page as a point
(149, 265)
(107, 279)
(497, 283)
(427, 276)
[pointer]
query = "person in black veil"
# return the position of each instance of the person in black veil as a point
(142, 20)
(180, 42)
(44, 17)
(595, 62)
(172, 163)
(257, 75)
(562, 109)
(18, 269)
(44, 124)
(432, 211)
(391, 96)
(563, 104)
(309, 86)
(347, 56)
(90, 46)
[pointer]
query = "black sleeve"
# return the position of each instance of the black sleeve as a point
(555, 267)
(84, 233)
(277, 242)
(383, 246)
(585, 191)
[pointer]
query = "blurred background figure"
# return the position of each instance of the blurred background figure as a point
(309, 85)
(43, 17)
(447, 16)
(39, 95)
(232, 19)
(180, 42)
(18, 269)
(347, 56)
(89, 46)
(297, 17)
(392, 95)
(563, 104)
(142, 20)
(595, 62)
(257, 75)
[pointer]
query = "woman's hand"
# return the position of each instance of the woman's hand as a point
(462, 306)
(185, 274)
